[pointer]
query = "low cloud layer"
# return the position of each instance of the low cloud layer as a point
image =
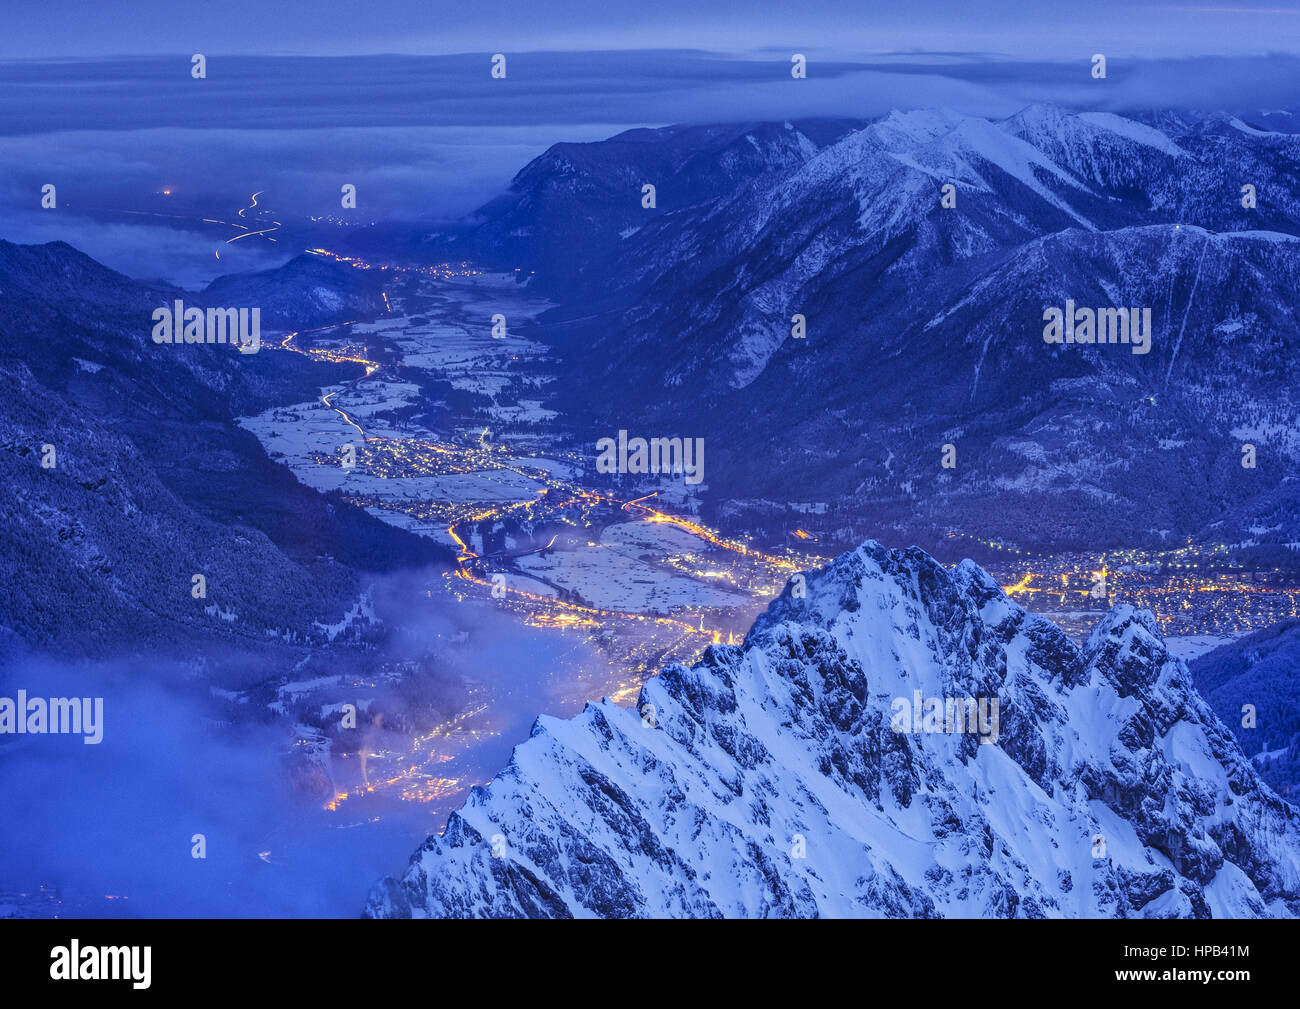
(145, 158)
(116, 819)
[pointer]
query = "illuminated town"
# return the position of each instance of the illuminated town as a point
(1195, 589)
(628, 578)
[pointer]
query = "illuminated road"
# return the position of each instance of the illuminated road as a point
(244, 229)
(276, 225)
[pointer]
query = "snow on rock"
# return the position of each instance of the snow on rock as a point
(767, 780)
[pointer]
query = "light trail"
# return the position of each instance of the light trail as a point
(342, 413)
(276, 225)
(251, 234)
(252, 205)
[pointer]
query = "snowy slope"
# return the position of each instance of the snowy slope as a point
(1111, 789)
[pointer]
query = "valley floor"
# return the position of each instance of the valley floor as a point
(626, 580)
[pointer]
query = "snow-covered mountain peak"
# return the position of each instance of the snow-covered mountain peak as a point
(894, 738)
(915, 126)
(1052, 127)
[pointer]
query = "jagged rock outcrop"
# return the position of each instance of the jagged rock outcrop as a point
(772, 779)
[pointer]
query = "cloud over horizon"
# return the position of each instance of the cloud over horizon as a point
(431, 138)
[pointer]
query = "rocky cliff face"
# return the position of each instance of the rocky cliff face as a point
(773, 779)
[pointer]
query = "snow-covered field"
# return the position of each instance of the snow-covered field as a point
(423, 481)
(625, 570)
(457, 347)
(1193, 646)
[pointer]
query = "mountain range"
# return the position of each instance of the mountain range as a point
(924, 322)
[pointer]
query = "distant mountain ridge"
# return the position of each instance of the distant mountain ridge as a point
(569, 208)
(306, 292)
